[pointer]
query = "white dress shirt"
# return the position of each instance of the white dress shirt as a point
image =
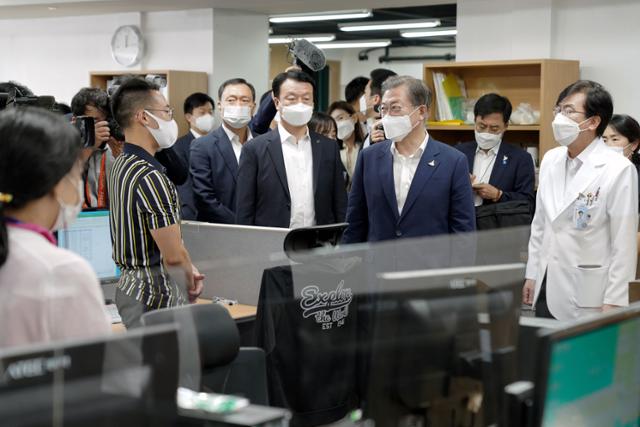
(195, 134)
(404, 169)
(483, 164)
(349, 158)
(572, 166)
(235, 140)
(298, 162)
(47, 293)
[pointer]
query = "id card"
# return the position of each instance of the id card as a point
(581, 215)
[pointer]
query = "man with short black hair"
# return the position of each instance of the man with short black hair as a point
(145, 211)
(99, 159)
(214, 158)
(354, 94)
(582, 249)
(291, 177)
(501, 172)
(409, 185)
(373, 98)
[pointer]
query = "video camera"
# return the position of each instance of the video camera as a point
(14, 98)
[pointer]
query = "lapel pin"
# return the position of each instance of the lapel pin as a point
(504, 160)
(432, 163)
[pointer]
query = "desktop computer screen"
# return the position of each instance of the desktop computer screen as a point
(593, 375)
(90, 237)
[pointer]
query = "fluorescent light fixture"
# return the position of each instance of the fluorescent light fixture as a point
(313, 38)
(430, 33)
(354, 44)
(321, 16)
(390, 25)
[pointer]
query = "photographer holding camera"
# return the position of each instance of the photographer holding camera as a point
(101, 143)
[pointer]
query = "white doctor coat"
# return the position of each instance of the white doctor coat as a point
(584, 239)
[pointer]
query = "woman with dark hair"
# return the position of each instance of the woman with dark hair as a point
(323, 124)
(46, 293)
(623, 135)
(349, 134)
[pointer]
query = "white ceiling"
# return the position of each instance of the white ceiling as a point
(21, 9)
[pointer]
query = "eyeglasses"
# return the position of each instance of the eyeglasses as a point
(168, 111)
(566, 110)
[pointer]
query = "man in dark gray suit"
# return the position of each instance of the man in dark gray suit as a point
(214, 158)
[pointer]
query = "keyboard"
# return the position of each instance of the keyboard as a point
(112, 311)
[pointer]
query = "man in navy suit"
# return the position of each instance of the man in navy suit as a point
(501, 172)
(198, 110)
(290, 177)
(214, 158)
(410, 184)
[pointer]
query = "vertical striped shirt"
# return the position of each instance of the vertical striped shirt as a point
(142, 199)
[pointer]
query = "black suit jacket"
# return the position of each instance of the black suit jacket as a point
(513, 171)
(213, 171)
(262, 193)
(176, 160)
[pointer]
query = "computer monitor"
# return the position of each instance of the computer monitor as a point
(438, 337)
(122, 380)
(90, 237)
(589, 373)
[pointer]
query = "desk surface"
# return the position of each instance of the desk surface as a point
(237, 312)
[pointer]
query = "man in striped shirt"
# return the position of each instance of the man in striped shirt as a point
(145, 210)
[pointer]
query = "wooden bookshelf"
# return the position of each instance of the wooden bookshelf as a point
(537, 82)
(180, 84)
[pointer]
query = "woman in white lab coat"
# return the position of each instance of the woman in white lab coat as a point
(582, 250)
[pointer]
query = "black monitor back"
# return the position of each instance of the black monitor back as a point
(128, 379)
(437, 338)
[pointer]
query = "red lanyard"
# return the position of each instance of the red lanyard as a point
(102, 186)
(12, 222)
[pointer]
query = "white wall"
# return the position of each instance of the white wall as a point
(241, 49)
(503, 29)
(352, 67)
(602, 35)
(54, 56)
(605, 37)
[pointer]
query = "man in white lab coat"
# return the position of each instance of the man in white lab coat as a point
(582, 250)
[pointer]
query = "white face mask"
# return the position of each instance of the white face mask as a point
(345, 128)
(620, 150)
(486, 140)
(68, 213)
(396, 128)
(166, 134)
(236, 116)
(363, 104)
(205, 123)
(565, 130)
(296, 115)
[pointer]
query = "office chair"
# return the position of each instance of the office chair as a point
(225, 367)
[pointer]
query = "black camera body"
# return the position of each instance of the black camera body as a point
(13, 100)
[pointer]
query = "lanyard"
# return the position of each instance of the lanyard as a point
(101, 202)
(12, 222)
(487, 168)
